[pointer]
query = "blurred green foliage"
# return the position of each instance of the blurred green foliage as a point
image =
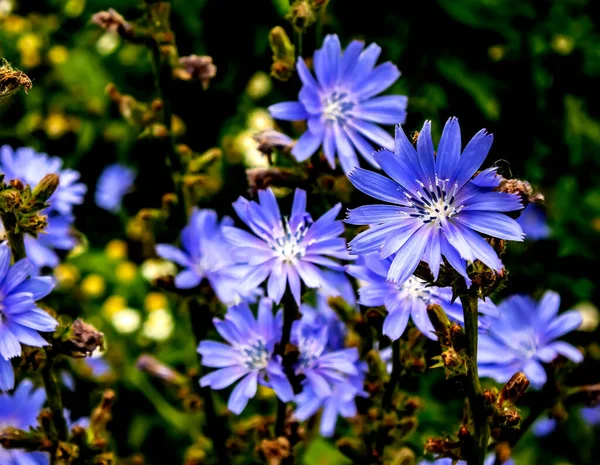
(527, 71)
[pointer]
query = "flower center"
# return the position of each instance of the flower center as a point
(414, 288)
(256, 355)
(434, 202)
(311, 349)
(337, 105)
(289, 245)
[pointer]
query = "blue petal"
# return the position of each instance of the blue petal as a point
(364, 147)
(448, 152)
(535, 373)
(425, 150)
(409, 256)
(187, 279)
(277, 282)
(244, 391)
(7, 375)
(36, 319)
(380, 79)
(365, 63)
(288, 111)
(346, 153)
(224, 377)
(350, 59)
(26, 335)
(329, 418)
(399, 236)
(372, 132)
(562, 325)
(305, 76)
(473, 156)
(373, 214)
(306, 146)
(548, 306)
(38, 287)
(279, 381)
(377, 186)
(17, 273)
(454, 258)
(9, 344)
(172, 253)
(218, 355)
(491, 223)
(479, 247)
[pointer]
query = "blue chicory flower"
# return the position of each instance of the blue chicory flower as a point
(544, 426)
(591, 415)
(323, 316)
(409, 299)
(437, 210)
(20, 318)
(248, 354)
(489, 460)
(114, 182)
(30, 167)
(20, 410)
(205, 254)
(289, 249)
(534, 224)
(524, 335)
(340, 104)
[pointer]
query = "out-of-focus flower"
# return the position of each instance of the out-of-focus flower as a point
(205, 254)
(323, 316)
(196, 67)
(436, 209)
(248, 355)
(340, 105)
(524, 335)
(66, 275)
(544, 426)
(20, 410)
(591, 415)
(260, 120)
(126, 320)
(93, 285)
(116, 249)
(20, 319)
(259, 85)
(114, 182)
(533, 222)
(589, 314)
(155, 301)
(489, 460)
(286, 250)
(159, 325)
(126, 271)
(409, 299)
(155, 268)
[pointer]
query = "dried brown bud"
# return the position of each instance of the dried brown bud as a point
(270, 140)
(275, 450)
(9, 200)
(522, 188)
(17, 184)
(113, 22)
(83, 339)
(196, 67)
(11, 80)
(261, 178)
(301, 15)
(514, 389)
(489, 397)
(13, 438)
(101, 416)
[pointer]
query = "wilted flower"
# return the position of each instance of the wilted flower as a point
(206, 255)
(197, 67)
(114, 182)
(437, 209)
(340, 105)
(20, 318)
(20, 410)
(534, 224)
(289, 249)
(524, 335)
(248, 354)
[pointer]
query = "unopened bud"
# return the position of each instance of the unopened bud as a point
(270, 140)
(152, 366)
(438, 319)
(514, 389)
(275, 450)
(261, 178)
(301, 15)
(284, 54)
(46, 187)
(13, 438)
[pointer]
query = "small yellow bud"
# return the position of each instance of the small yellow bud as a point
(116, 249)
(93, 285)
(155, 301)
(126, 271)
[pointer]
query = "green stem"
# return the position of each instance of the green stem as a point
(17, 245)
(54, 399)
(387, 404)
(298, 43)
(472, 384)
(215, 427)
(290, 310)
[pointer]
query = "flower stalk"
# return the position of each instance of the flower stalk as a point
(481, 428)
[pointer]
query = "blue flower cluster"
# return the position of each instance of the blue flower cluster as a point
(30, 167)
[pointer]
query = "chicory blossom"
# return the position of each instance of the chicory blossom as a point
(20, 318)
(534, 224)
(288, 249)
(489, 460)
(114, 182)
(205, 254)
(20, 410)
(436, 209)
(341, 106)
(524, 336)
(409, 299)
(247, 355)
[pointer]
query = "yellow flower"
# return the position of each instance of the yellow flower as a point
(93, 285)
(116, 249)
(126, 271)
(113, 304)
(66, 275)
(155, 301)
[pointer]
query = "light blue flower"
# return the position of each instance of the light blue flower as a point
(436, 209)
(20, 410)
(30, 167)
(248, 355)
(286, 250)
(114, 182)
(340, 104)
(544, 426)
(591, 415)
(489, 460)
(20, 319)
(409, 299)
(524, 336)
(205, 254)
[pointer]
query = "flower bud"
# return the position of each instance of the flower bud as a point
(301, 15)
(82, 339)
(514, 389)
(270, 140)
(275, 450)
(200, 68)
(152, 366)
(45, 188)
(284, 54)
(113, 22)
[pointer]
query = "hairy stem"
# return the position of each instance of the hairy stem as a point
(387, 404)
(290, 310)
(215, 427)
(472, 384)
